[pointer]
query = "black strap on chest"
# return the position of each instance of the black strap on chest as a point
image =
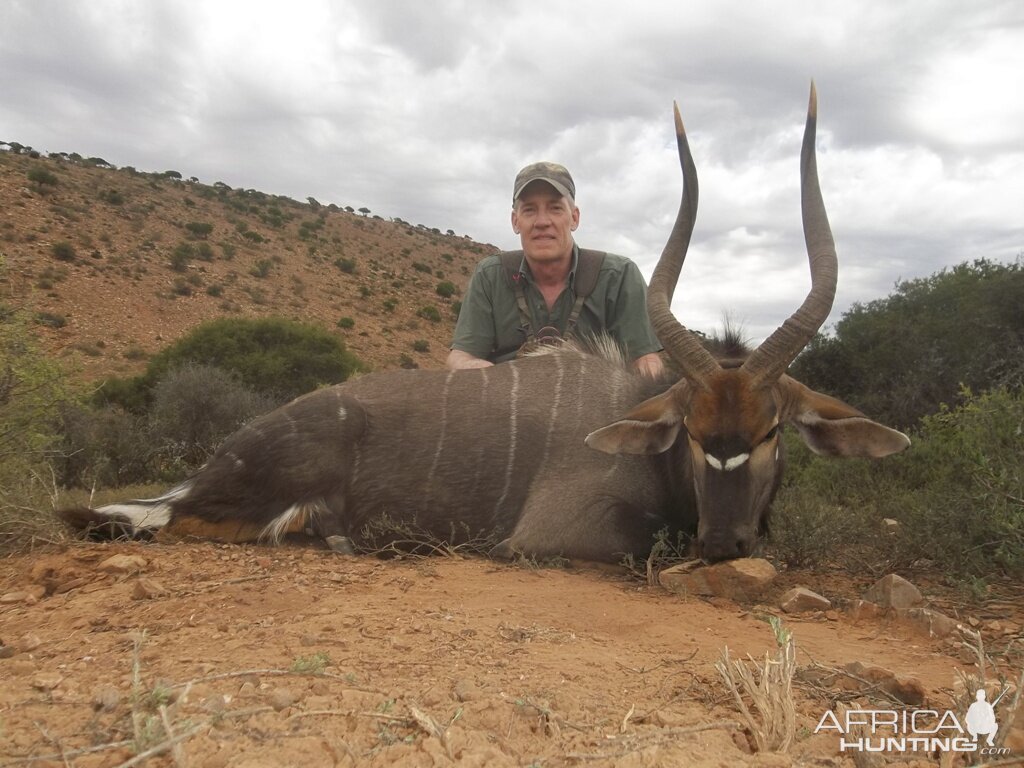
(588, 267)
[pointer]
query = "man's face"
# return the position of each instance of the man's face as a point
(545, 222)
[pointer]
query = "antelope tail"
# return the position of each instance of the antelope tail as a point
(132, 519)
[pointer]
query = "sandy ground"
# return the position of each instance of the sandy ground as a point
(253, 656)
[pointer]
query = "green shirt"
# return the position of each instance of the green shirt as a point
(490, 327)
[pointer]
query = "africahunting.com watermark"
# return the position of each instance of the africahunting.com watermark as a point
(919, 730)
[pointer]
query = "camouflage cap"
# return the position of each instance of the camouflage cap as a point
(554, 174)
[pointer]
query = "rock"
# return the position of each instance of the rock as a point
(928, 621)
(122, 564)
(742, 579)
(894, 591)
(909, 690)
(147, 589)
(281, 698)
(7, 651)
(890, 526)
(14, 597)
(466, 690)
(47, 681)
(803, 600)
(862, 609)
(27, 642)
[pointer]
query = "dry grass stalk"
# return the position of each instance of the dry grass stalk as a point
(971, 682)
(770, 715)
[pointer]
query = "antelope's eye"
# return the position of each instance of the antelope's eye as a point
(771, 433)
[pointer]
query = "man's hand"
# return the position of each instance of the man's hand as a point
(649, 365)
(459, 360)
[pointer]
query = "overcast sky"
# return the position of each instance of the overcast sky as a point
(426, 110)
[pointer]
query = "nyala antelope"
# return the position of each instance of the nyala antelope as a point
(567, 452)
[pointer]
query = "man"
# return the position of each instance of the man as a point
(551, 288)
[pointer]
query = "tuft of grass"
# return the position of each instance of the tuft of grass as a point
(311, 665)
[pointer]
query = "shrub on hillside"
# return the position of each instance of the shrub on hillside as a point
(199, 228)
(430, 312)
(277, 357)
(446, 289)
(42, 177)
(63, 251)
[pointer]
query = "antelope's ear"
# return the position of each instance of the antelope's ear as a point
(651, 427)
(830, 427)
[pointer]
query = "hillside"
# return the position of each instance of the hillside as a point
(115, 264)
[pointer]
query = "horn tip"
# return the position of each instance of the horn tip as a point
(680, 130)
(812, 106)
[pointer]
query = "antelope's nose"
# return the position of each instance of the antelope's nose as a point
(725, 546)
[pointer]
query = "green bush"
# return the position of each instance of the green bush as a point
(348, 266)
(42, 177)
(346, 322)
(957, 492)
(421, 345)
(261, 268)
(63, 251)
(276, 357)
(446, 289)
(31, 393)
(901, 357)
(199, 228)
(430, 312)
(181, 256)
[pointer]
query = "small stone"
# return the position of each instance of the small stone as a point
(890, 526)
(27, 642)
(832, 615)
(14, 597)
(974, 622)
(47, 681)
(742, 580)
(122, 564)
(147, 589)
(215, 703)
(894, 591)
(7, 651)
(465, 690)
(803, 600)
(281, 698)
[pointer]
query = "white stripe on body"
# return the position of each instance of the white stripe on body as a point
(512, 437)
(556, 401)
(444, 428)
